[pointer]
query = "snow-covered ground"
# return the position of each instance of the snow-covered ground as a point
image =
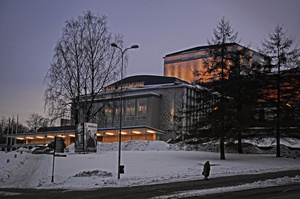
(145, 163)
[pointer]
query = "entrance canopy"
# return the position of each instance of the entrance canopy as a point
(103, 135)
(129, 133)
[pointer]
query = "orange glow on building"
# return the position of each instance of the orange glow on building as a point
(289, 88)
(186, 70)
(62, 136)
(187, 63)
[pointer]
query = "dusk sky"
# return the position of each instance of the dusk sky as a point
(30, 29)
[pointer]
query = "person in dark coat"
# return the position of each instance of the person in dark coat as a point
(206, 170)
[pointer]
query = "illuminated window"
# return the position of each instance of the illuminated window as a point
(108, 113)
(142, 108)
(117, 111)
(130, 109)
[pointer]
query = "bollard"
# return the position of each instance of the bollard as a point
(7, 161)
(21, 152)
(15, 155)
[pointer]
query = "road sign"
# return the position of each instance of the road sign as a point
(59, 145)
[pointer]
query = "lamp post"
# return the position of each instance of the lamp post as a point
(121, 100)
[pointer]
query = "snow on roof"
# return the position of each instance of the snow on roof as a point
(149, 80)
(176, 83)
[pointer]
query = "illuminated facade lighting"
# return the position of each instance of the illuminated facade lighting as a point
(108, 133)
(50, 136)
(150, 131)
(71, 135)
(136, 132)
(40, 137)
(182, 64)
(62, 136)
(19, 138)
(30, 138)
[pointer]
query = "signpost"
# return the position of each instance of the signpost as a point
(59, 146)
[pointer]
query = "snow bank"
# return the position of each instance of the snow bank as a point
(266, 142)
(258, 184)
(21, 169)
(249, 147)
(135, 145)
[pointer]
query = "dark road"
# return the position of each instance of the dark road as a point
(279, 192)
(151, 190)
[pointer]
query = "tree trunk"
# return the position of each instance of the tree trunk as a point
(278, 112)
(240, 148)
(222, 147)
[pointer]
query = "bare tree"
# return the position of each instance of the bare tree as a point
(3, 126)
(284, 56)
(36, 121)
(83, 64)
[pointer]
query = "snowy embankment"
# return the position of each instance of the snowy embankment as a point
(255, 185)
(145, 163)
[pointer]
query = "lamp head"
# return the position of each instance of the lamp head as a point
(114, 45)
(134, 46)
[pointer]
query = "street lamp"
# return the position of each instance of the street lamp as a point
(121, 102)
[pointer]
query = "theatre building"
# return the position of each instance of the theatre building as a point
(154, 108)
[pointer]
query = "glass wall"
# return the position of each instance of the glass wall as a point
(142, 108)
(134, 113)
(130, 110)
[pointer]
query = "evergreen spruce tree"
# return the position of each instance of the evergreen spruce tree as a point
(284, 56)
(218, 67)
(236, 79)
